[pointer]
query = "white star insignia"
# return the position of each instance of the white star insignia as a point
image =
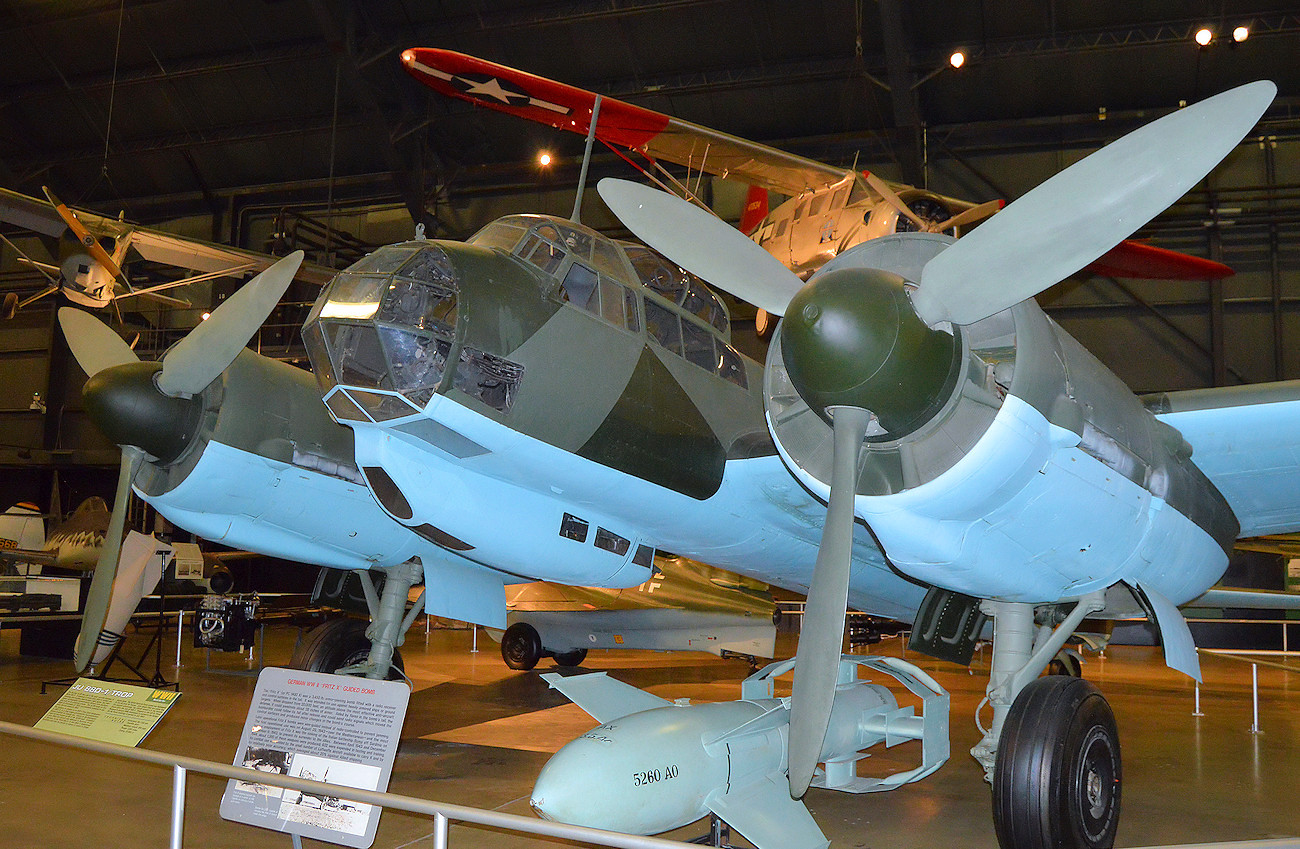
(491, 88)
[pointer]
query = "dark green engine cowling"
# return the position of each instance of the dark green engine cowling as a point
(851, 338)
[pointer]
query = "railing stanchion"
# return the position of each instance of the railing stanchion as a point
(440, 831)
(178, 806)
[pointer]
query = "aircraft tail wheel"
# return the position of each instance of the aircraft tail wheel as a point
(336, 644)
(1056, 782)
(571, 658)
(521, 646)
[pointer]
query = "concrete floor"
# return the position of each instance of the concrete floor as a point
(477, 734)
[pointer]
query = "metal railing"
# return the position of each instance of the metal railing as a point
(443, 813)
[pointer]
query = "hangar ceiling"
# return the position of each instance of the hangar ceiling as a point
(186, 107)
(219, 119)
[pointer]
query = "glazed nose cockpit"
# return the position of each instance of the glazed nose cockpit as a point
(383, 332)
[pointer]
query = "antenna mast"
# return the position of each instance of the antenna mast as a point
(586, 160)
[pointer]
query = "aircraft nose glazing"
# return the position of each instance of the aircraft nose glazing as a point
(129, 409)
(851, 338)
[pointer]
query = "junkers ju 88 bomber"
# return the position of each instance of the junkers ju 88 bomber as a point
(543, 403)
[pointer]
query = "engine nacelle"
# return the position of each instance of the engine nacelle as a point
(1038, 475)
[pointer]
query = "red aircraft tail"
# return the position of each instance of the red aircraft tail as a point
(755, 209)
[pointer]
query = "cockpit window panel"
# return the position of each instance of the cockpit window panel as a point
(502, 233)
(608, 260)
(698, 345)
(432, 267)
(382, 407)
(354, 296)
(490, 379)
(345, 408)
(358, 358)
(543, 254)
(578, 287)
(419, 305)
(611, 303)
(731, 367)
(630, 304)
(655, 274)
(385, 260)
(664, 327)
(703, 303)
(417, 361)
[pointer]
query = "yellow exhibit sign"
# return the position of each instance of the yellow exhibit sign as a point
(109, 712)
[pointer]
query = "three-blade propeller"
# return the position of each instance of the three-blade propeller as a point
(1053, 231)
(187, 369)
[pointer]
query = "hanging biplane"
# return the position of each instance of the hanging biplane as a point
(829, 208)
(541, 402)
(92, 275)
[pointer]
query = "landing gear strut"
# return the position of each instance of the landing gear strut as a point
(343, 648)
(1052, 751)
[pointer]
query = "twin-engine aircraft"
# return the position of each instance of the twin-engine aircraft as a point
(541, 402)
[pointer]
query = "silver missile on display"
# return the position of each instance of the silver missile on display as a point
(655, 765)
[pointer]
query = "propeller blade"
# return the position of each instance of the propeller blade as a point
(968, 216)
(94, 345)
(101, 584)
(891, 197)
(88, 241)
(1084, 211)
(817, 660)
(208, 349)
(702, 243)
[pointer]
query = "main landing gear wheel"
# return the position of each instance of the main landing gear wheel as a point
(521, 646)
(1056, 783)
(336, 644)
(571, 658)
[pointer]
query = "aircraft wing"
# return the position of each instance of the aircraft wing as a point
(1249, 599)
(39, 216)
(1245, 440)
(10, 556)
(620, 124)
(1140, 261)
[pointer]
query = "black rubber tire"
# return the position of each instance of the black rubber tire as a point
(1056, 782)
(521, 647)
(570, 658)
(336, 644)
(1065, 664)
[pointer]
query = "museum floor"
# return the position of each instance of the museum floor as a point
(477, 733)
